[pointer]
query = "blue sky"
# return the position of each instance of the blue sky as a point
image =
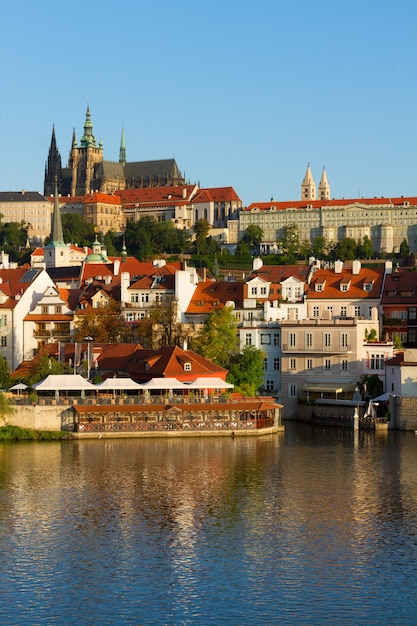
(241, 93)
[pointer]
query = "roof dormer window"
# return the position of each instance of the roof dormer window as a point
(187, 366)
(368, 286)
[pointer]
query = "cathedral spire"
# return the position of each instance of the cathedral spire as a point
(53, 168)
(88, 140)
(57, 234)
(122, 152)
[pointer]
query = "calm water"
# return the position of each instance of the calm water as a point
(311, 526)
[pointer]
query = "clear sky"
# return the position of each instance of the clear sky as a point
(240, 92)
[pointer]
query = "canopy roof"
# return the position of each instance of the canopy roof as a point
(330, 387)
(64, 382)
(122, 384)
(209, 383)
(18, 387)
(164, 383)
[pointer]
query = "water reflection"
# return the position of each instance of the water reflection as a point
(307, 526)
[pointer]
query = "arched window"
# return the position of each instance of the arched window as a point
(205, 214)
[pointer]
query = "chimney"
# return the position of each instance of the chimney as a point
(184, 193)
(338, 267)
(116, 267)
(356, 267)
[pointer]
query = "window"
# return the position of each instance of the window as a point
(309, 364)
(309, 340)
(344, 365)
(292, 339)
(344, 340)
(265, 365)
(357, 311)
(412, 313)
(4, 341)
(343, 311)
(327, 340)
(263, 291)
(254, 291)
(327, 364)
(316, 311)
(265, 339)
(377, 361)
(292, 391)
(276, 339)
(187, 367)
(44, 308)
(330, 309)
(144, 297)
(269, 385)
(276, 363)
(248, 339)
(293, 364)
(58, 309)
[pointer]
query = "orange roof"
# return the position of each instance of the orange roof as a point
(317, 204)
(210, 295)
(331, 282)
(104, 198)
(160, 195)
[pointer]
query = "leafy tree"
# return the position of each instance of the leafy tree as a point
(4, 373)
(42, 366)
(204, 244)
(404, 249)
(253, 236)
(246, 370)
(371, 385)
(218, 340)
(364, 250)
(319, 247)
(242, 249)
(290, 242)
(104, 324)
(76, 229)
(167, 330)
(111, 240)
(14, 234)
(345, 250)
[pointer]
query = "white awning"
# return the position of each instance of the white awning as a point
(164, 383)
(209, 383)
(64, 382)
(118, 384)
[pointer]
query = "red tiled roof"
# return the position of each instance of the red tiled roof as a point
(104, 198)
(210, 295)
(331, 286)
(316, 204)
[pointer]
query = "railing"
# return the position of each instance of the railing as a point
(327, 349)
(196, 425)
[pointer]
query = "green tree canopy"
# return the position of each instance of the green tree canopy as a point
(253, 236)
(218, 340)
(290, 242)
(246, 370)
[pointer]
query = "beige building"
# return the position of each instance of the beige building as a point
(28, 207)
(385, 221)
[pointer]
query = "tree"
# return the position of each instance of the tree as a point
(42, 366)
(76, 229)
(4, 373)
(253, 236)
(104, 324)
(290, 242)
(345, 250)
(218, 340)
(166, 328)
(404, 249)
(246, 370)
(203, 243)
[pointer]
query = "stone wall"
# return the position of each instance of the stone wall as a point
(39, 418)
(403, 413)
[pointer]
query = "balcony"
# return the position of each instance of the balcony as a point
(316, 349)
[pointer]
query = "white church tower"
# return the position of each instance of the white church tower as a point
(324, 187)
(308, 186)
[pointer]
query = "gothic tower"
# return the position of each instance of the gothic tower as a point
(53, 169)
(324, 187)
(122, 152)
(56, 251)
(308, 186)
(83, 159)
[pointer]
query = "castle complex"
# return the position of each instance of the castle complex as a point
(88, 172)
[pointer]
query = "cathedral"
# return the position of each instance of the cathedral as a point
(88, 172)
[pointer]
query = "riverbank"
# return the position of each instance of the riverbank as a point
(15, 433)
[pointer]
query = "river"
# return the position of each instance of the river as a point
(311, 526)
